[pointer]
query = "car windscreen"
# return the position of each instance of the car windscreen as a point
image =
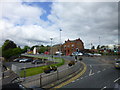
(117, 61)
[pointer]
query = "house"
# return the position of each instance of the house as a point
(71, 46)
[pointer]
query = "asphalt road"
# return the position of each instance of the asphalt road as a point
(99, 75)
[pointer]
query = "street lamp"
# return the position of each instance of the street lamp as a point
(60, 43)
(51, 48)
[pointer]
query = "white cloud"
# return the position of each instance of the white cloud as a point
(87, 21)
(82, 20)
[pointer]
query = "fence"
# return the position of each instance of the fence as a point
(45, 79)
(16, 69)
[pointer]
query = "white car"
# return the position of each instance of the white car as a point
(96, 54)
(80, 54)
(77, 53)
(23, 60)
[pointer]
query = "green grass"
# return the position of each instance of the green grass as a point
(38, 70)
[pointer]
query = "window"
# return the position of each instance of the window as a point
(72, 45)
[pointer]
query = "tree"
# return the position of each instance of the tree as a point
(98, 47)
(10, 49)
(25, 49)
(93, 47)
(8, 44)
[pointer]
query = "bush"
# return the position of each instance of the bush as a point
(54, 68)
(71, 63)
(80, 58)
(47, 70)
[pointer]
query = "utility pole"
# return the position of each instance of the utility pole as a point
(51, 48)
(99, 41)
(60, 44)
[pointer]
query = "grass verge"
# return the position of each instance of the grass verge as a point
(38, 70)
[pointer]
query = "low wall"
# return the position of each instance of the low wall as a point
(45, 79)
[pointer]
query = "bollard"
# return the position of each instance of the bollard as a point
(57, 75)
(40, 80)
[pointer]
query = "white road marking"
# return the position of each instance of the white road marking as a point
(103, 88)
(98, 71)
(77, 79)
(91, 73)
(117, 79)
(81, 77)
(90, 66)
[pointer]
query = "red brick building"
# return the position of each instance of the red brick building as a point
(71, 46)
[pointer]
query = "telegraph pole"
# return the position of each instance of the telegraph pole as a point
(60, 43)
(51, 48)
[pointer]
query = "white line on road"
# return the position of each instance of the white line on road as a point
(103, 88)
(117, 79)
(90, 66)
(91, 73)
(77, 79)
(98, 71)
(81, 77)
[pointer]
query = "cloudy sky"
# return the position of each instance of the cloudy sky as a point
(32, 23)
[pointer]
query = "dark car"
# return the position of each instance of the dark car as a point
(37, 61)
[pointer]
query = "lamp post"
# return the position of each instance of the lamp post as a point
(60, 43)
(51, 48)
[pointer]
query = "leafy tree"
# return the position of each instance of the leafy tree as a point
(10, 49)
(8, 44)
(11, 52)
(98, 47)
(93, 47)
(42, 49)
(25, 49)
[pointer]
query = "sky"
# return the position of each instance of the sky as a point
(34, 23)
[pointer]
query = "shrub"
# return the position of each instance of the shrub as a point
(47, 70)
(80, 58)
(54, 68)
(71, 63)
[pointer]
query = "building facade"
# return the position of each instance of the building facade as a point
(71, 46)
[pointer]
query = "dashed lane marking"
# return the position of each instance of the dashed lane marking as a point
(74, 78)
(98, 71)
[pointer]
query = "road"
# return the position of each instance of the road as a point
(98, 75)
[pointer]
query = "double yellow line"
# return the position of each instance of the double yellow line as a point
(74, 78)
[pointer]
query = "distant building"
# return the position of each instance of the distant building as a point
(71, 46)
(56, 49)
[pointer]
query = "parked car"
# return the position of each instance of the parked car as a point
(97, 54)
(117, 64)
(16, 60)
(37, 61)
(25, 60)
(77, 53)
(90, 54)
